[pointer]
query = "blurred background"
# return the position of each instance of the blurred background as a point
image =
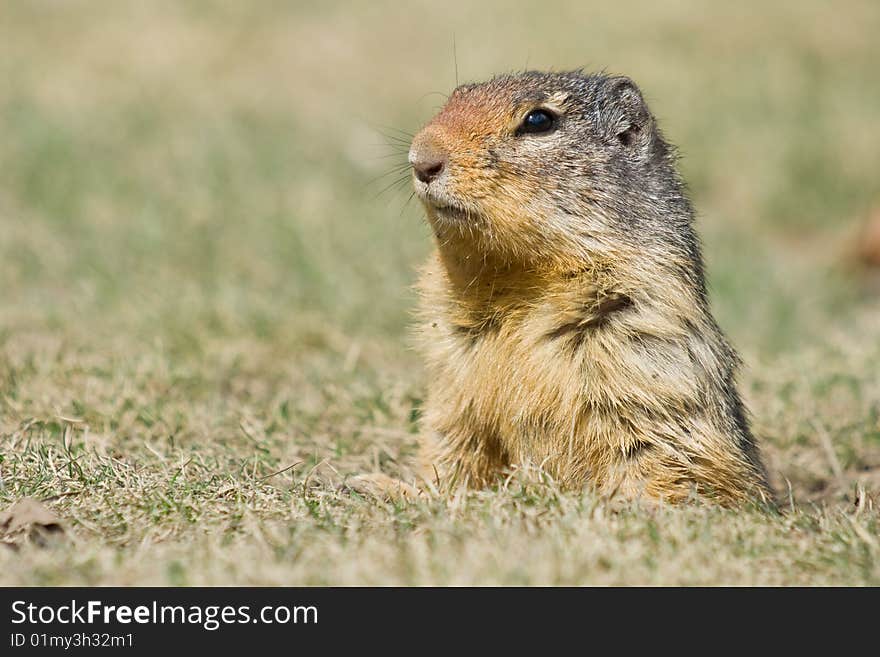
(194, 215)
(178, 167)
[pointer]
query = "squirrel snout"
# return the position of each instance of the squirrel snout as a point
(427, 159)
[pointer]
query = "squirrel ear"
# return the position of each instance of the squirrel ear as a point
(628, 118)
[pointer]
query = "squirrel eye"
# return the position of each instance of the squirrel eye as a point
(537, 122)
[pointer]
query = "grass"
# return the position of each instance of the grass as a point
(202, 286)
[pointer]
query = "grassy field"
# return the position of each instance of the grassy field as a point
(204, 283)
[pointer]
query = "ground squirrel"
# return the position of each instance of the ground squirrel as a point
(564, 316)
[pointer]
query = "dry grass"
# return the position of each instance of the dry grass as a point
(201, 288)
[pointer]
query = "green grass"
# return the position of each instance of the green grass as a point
(203, 285)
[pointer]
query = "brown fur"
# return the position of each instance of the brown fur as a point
(554, 333)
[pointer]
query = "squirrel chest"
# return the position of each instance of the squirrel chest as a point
(552, 376)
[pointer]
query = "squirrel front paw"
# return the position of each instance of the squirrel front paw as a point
(383, 487)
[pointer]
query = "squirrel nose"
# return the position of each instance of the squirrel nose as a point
(427, 161)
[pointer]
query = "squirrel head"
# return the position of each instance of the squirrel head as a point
(546, 169)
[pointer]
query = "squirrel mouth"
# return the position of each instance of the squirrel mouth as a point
(444, 208)
(450, 213)
(448, 209)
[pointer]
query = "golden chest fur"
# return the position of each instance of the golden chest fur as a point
(592, 384)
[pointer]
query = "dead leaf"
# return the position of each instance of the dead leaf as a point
(868, 244)
(29, 520)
